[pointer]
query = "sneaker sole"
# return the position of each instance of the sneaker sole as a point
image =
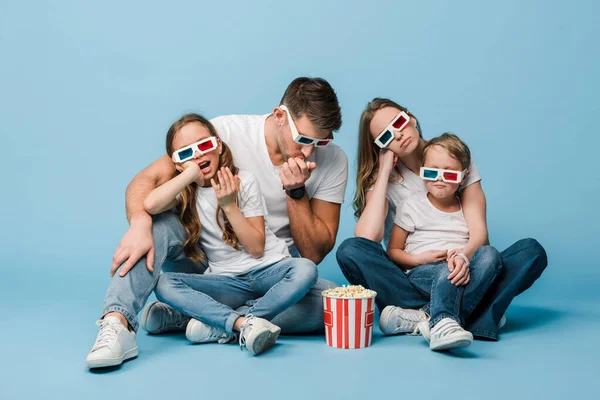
(264, 341)
(111, 362)
(450, 344)
(145, 315)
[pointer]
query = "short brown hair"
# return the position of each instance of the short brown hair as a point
(315, 98)
(456, 147)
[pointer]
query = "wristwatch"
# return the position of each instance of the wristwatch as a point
(297, 193)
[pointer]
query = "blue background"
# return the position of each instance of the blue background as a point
(88, 90)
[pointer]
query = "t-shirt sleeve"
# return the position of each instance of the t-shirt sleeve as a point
(220, 124)
(405, 218)
(333, 186)
(473, 177)
(252, 203)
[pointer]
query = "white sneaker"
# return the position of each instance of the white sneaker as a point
(448, 334)
(114, 344)
(199, 332)
(258, 335)
(394, 320)
(423, 328)
(158, 317)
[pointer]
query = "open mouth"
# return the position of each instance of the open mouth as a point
(204, 164)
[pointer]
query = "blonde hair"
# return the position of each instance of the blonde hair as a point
(453, 145)
(186, 209)
(368, 152)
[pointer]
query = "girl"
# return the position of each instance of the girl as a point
(390, 154)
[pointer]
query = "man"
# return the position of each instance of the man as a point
(303, 178)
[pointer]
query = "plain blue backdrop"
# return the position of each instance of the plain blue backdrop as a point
(88, 90)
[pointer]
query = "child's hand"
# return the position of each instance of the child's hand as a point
(460, 274)
(227, 188)
(387, 160)
(198, 177)
(431, 256)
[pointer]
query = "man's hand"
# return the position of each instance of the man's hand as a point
(295, 172)
(137, 242)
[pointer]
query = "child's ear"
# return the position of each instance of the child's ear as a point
(220, 145)
(464, 179)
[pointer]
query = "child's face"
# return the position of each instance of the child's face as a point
(438, 157)
(192, 133)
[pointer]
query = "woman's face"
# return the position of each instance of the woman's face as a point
(194, 132)
(405, 141)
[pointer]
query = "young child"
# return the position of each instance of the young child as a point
(426, 241)
(222, 211)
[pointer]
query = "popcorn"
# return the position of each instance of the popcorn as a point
(349, 292)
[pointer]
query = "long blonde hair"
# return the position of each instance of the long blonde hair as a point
(368, 152)
(186, 209)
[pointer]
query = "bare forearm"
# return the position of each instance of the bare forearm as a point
(371, 223)
(163, 197)
(250, 237)
(137, 190)
(312, 237)
(403, 259)
(477, 237)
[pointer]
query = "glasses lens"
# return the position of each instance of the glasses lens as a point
(322, 142)
(386, 138)
(206, 146)
(305, 140)
(430, 173)
(185, 154)
(399, 123)
(451, 176)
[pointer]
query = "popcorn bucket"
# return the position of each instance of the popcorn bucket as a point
(348, 321)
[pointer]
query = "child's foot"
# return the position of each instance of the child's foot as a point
(199, 332)
(114, 344)
(448, 334)
(159, 318)
(394, 320)
(257, 334)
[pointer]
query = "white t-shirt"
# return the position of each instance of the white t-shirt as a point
(245, 136)
(410, 184)
(222, 258)
(430, 228)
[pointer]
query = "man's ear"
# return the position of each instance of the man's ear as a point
(279, 116)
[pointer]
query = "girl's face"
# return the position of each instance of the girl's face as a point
(405, 141)
(439, 157)
(192, 133)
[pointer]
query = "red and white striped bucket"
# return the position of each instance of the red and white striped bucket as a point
(349, 321)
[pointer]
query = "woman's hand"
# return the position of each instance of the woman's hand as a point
(227, 189)
(387, 161)
(194, 169)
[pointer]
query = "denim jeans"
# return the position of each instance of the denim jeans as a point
(448, 300)
(364, 262)
(212, 298)
(127, 295)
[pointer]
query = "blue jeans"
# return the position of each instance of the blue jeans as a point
(364, 262)
(127, 295)
(456, 302)
(212, 298)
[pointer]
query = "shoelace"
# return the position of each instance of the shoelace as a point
(408, 320)
(173, 318)
(246, 326)
(108, 333)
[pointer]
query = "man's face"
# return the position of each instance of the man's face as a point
(285, 141)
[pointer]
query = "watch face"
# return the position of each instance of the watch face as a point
(297, 193)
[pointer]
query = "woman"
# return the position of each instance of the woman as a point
(390, 154)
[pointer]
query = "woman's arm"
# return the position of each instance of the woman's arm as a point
(474, 206)
(249, 231)
(371, 224)
(164, 197)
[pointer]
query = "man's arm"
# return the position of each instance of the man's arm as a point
(314, 225)
(138, 240)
